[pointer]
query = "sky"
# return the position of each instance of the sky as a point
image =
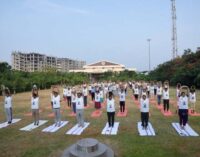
(94, 30)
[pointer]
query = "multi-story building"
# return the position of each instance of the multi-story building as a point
(32, 62)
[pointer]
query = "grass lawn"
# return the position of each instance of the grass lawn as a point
(166, 143)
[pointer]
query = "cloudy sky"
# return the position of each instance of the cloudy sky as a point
(93, 30)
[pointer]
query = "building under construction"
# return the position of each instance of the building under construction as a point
(31, 62)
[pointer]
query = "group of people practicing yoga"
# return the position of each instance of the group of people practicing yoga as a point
(77, 99)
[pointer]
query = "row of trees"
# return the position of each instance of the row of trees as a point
(18, 81)
(184, 69)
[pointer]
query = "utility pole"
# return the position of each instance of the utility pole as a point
(174, 31)
(149, 42)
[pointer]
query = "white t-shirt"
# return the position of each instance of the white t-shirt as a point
(148, 88)
(136, 91)
(90, 88)
(152, 89)
(122, 96)
(110, 105)
(166, 95)
(101, 94)
(8, 102)
(105, 90)
(183, 102)
(97, 97)
(177, 92)
(192, 97)
(69, 92)
(79, 103)
(144, 105)
(35, 103)
(159, 91)
(56, 101)
(85, 92)
(73, 98)
(65, 92)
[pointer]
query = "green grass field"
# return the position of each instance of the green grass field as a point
(166, 143)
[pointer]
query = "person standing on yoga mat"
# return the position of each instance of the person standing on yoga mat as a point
(110, 110)
(136, 92)
(144, 109)
(166, 98)
(152, 90)
(183, 106)
(93, 93)
(74, 100)
(80, 109)
(101, 95)
(65, 92)
(35, 106)
(56, 106)
(122, 98)
(85, 94)
(97, 102)
(155, 89)
(192, 99)
(159, 93)
(69, 97)
(8, 105)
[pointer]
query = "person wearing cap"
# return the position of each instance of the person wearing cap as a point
(69, 97)
(192, 99)
(110, 107)
(166, 98)
(85, 94)
(159, 93)
(97, 99)
(144, 109)
(80, 109)
(35, 106)
(8, 105)
(56, 106)
(74, 96)
(183, 107)
(122, 98)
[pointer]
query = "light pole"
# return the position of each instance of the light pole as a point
(149, 41)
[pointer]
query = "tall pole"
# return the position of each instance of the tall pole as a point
(174, 31)
(149, 42)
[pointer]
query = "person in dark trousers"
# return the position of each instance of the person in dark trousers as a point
(166, 98)
(93, 93)
(69, 97)
(144, 109)
(183, 106)
(85, 94)
(122, 98)
(111, 110)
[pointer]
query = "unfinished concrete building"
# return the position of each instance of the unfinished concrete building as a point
(31, 62)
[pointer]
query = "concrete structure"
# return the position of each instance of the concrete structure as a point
(101, 67)
(88, 148)
(32, 62)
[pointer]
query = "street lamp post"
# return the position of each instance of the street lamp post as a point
(149, 41)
